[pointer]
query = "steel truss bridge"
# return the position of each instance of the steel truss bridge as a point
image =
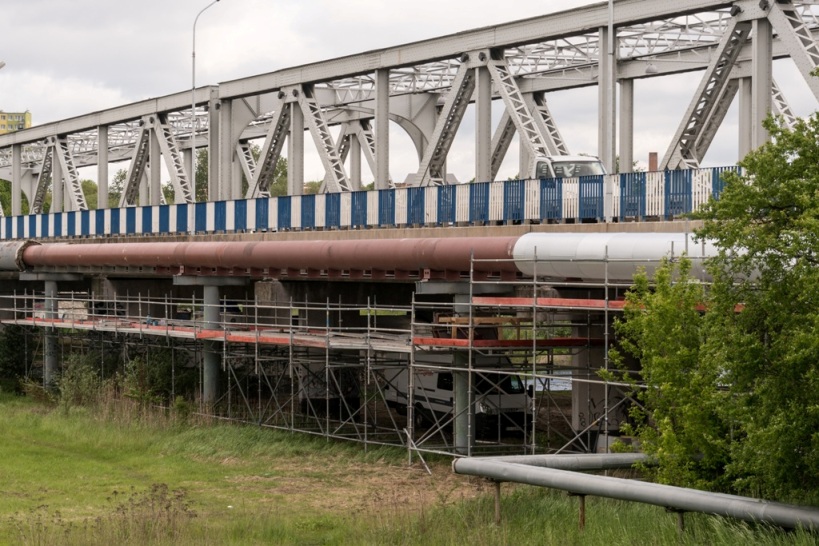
(347, 104)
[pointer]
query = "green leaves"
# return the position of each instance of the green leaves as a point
(732, 393)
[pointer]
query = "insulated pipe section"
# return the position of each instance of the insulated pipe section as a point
(439, 254)
(584, 462)
(600, 256)
(11, 255)
(678, 498)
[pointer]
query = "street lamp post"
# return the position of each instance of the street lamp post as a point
(193, 102)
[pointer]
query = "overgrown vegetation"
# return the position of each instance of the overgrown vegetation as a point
(86, 478)
(733, 392)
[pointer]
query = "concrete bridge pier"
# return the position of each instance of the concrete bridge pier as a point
(212, 320)
(52, 312)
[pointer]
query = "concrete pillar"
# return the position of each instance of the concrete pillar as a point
(762, 73)
(483, 125)
(16, 180)
(382, 129)
(212, 350)
(295, 151)
(745, 116)
(102, 167)
(626, 126)
(464, 412)
(50, 345)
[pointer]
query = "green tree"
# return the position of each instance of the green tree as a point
(116, 187)
(90, 190)
(733, 398)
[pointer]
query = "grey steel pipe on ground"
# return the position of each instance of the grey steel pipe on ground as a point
(677, 498)
(586, 461)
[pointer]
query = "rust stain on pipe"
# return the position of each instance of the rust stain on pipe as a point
(439, 254)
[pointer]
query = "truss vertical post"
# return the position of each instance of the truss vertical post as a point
(382, 129)
(155, 166)
(762, 67)
(295, 151)
(607, 131)
(355, 163)
(102, 167)
(626, 126)
(57, 188)
(16, 180)
(483, 125)
(745, 116)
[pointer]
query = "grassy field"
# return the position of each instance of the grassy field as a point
(73, 477)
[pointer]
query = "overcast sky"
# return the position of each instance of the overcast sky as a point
(70, 57)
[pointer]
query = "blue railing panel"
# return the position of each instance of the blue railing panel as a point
(262, 213)
(358, 216)
(44, 231)
(21, 223)
(677, 193)
(717, 183)
(332, 210)
(115, 220)
(85, 223)
(415, 206)
(164, 218)
(200, 217)
(479, 202)
(147, 219)
(514, 200)
(590, 192)
(240, 215)
(220, 216)
(632, 195)
(308, 211)
(99, 222)
(283, 205)
(447, 204)
(32, 226)
(182, 218)
(386, 207)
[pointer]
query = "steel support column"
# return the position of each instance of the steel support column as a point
(16, 180)
(483, 125)
(155, 169)
(295, 151)
(607, 129)
(464, 427)
(745, 116)
(102, 167)
(626, 125)
(57, 187)
(762, 67)
(382, 129)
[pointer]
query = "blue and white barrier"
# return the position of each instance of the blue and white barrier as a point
(629, 196)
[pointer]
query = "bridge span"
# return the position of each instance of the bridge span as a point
(446, 318)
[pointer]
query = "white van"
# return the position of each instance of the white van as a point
(566, 166)
(501, 399)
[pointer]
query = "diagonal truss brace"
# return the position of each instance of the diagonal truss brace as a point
(501, 141)
(259, 176)
(781, 106)
(682, 151)
(430, 171)
(173, 160)
(798, 40)
(554, 139)
(244, 153)
(531, 135)
(314, 118)
(714, 120)
(43, 181)
(361, 130)
(161, 129)
(72, 177)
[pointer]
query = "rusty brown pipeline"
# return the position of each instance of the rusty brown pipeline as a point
(440, 254)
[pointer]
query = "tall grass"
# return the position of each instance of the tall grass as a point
(123, 474)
